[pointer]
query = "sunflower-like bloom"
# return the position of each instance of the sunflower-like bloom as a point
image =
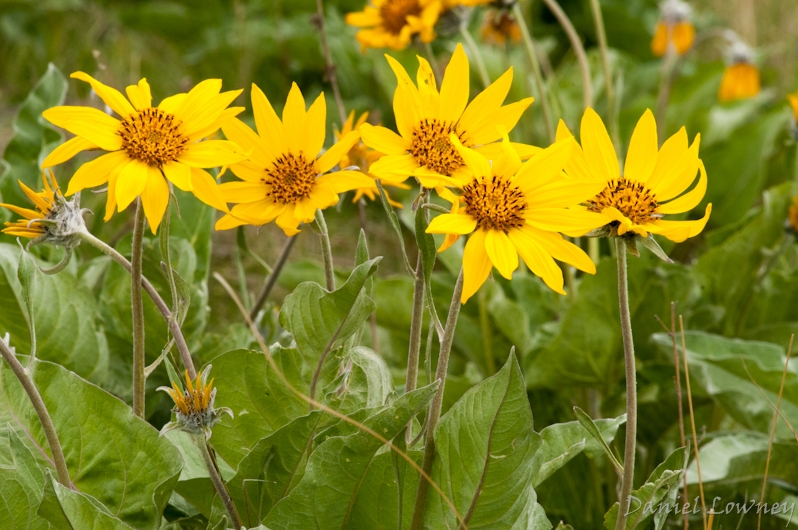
(284, 179)
(500, 26)
(392, 23)
(512, 208)
(427, 118)
(362, 156)
(149, 146)
(741, 77)
(653, 183)
(194, 410)
(674, 28)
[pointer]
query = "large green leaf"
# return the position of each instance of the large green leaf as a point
(485, 457)
(325, 496)
(65, 314)
(67, 509)
(111, 455)
(718, 368)
(317, 317)
(33, 137)
(21, 488)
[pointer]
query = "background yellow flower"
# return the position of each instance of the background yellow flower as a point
(392, 23)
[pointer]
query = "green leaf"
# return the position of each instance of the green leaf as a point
(592, 429)
(718, 368)
(324, 497)
(66, 317)
(21, 488)
(26, 273)
(77, 510)
(33, 137)
(394, 221)
(662, 486)
(111, 455)
(268, 472)
(485, 457)
(563, 441)
(317, 317)
(365, 381)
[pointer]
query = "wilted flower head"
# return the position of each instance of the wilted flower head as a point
(741, 77)
(194, 411)
(500, 26)
(674, 28)
(55, 219)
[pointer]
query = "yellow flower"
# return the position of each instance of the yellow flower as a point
(194, 409)
(794, 214)
(512, 208)
(653, 182)
(499, 26)
(740, 81)
(284, 179)
(793, 100)
(44, 201)
(681, 34)
(149, 145)
(426, 118)
(392, 23)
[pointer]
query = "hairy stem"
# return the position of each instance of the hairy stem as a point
(326, 250)
(579, 50)
(416, 321)
(174, 326)
(272, 279)
(472, 46)
(601, 34)
(540, 86)
(41, 411)
(631, 385)
(218, 482)
(138, 312)
(437, 403)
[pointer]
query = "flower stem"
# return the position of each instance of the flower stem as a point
(41, 412)
(472, 45)
(538, 76)
(174, 326)
(601, 34)
(138, 311)
(325, 46)
(326, 250)
(631, 384)
(487, 338)
(437, 403)
(579, 50)
(416, 321)
(272, 279)
(218, 482)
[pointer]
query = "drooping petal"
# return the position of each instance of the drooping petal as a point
(211, 153)
(501, 252)
(394, 168)
(598, 148)
(560, 249)
(476, 265)
(341, 181)
(111, 96)
(96, 172)
(678, 231)
(383, 140)
(206, 189)
(537, 259)
(155, 198)
(110, 195)
(333, 155)
(452, 223)
(178, 174)
(455, 87)
(671, 155)
(67, 150)
(24, 212)
(642, 155)
(679, 176)
(92, 124)
(140, 95)
(288, 221)
(316, 127)
(131, 182)
(689, 200)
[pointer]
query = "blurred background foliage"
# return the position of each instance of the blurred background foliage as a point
(736, 284)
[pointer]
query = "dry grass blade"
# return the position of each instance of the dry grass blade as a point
(773, 431)
(328, 410)
(772, 405)
(692, 424)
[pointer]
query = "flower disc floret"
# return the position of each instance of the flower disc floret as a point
(495, 203)
(152, 136)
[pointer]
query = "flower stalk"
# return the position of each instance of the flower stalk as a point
(41, 411)
(271, 281)
(437, 403)
(326, 250)
(601, 34)
(631, 384)
(138, 311)
(416, 320)
(578, 47)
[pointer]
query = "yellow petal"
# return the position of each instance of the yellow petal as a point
(677, 176)
(24, 212)
(678, 231)
(110, 195)
(506, 117)
(671, 156)
(577, 165)
(495, 150)
(242, 192)
(228, 221)
(599, 152)
(172, 103)
(249, 171)
(316, 127)
(642, 155)
(259, 212)
(305, 210)
(333, 155)
(211, 153)
(140, 95)
(341, 181)
(476, 265)
(452, 223)
(427, 89)
(383, 140)
(178, 174)
(111, 96)
(478, 164)
(455, 87)
(288, 221)
(96, 172)
(689, 200)
(563, 192)
(564, 220)
(131, 182)
(67, 150)
(92, 124)
(294, 117)
(155, 198)
(560, 249)
(206, 189)
(270, 128)
(537, 259)
(486, 102)
(501, 252)
(544, 166)
(240, 133)
(194, 105)
(508, 163)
